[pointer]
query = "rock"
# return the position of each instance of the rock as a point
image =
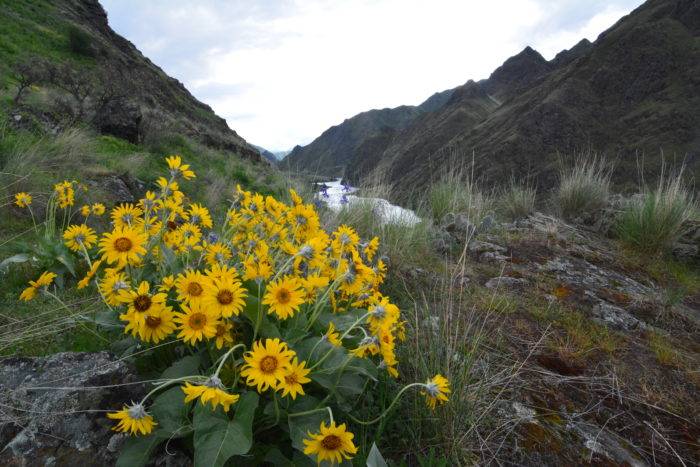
(606, 444)
(615, 317)
(118, 189)
(504, 281)
(493, 257)
(442, 242)
(461, 229)
(487, 223)
(478, 247)
(685, 251)
(461, 281)
(50, 420)
(448, 219)
(121, 119)
(122, 188)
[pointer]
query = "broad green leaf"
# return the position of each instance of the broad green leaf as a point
(170, 412)
(108, 319)
(375, 458)
(68, 262)
(267, 327)
(345, 388)
(216, 438)
(137, 450)
(300, 426)
(186, 366)
(275, 457)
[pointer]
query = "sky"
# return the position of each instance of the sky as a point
(283, 71)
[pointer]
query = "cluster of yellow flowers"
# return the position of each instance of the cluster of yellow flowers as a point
(169, 274)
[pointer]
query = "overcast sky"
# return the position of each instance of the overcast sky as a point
(282, 71)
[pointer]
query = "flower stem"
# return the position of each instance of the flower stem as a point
(386, 412)
(223, 359)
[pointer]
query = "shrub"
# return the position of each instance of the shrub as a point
(517, 201)
(80, 42)
(652, 222)
(583, 187)
(277, 319)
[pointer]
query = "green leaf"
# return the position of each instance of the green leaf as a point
(108, 319)
(18, 258)
(300, 426)
(186, 366)
(267, 327)
(67, 261)
(275, 457)
(216, 438)
(375, 458)
(170, 412)
(137, 450)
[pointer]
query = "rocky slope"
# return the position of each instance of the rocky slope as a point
(633, 92)
(143, 99)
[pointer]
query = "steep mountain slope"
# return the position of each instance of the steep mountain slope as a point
(634, 91)
(270, 156)
(77, 33)
(342, 144)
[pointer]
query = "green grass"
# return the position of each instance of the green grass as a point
(32, 27)
(651, 222)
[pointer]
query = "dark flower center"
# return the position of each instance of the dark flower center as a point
(197, 321)
(291, 379)
(123, 244)
(268, 364)
(224, 297)
(331, 442)
(153, 322)
(283, 296)
(194, 289)
(142, 303)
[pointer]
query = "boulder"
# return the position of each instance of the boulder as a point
(54, 408)
(121, 119)
(459, 227)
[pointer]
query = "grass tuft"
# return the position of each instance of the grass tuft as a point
(517, 201)
(583, 187)
(652, 222)
(457, 193)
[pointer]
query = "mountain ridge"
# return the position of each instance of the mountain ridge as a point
(634, 91)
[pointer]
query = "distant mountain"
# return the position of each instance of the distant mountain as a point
(270, 156)
(634, 91)
(343, 144)
(281, 154)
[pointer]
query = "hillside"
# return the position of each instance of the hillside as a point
(128, 96)
(634, 91)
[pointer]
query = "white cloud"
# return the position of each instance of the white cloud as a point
(282, 72)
